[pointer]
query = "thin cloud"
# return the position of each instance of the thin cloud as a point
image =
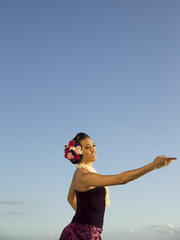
(17, 213)
(10, 202)
(155, 232)
(164, 229)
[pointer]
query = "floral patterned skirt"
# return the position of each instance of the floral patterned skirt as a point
(81, 231)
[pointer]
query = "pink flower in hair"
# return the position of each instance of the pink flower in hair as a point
(78, 149)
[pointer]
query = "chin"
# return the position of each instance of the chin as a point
(93, 159)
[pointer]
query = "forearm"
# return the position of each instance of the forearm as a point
(73, 203)
(130, 175)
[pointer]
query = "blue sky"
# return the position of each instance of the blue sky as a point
(106, 68)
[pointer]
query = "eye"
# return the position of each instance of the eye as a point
(93, 146)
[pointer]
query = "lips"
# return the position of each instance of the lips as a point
(93, 155)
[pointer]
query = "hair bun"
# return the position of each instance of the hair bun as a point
(75, 161)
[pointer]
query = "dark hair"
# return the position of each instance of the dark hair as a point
(79, 136)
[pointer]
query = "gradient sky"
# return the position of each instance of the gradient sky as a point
(106, 68)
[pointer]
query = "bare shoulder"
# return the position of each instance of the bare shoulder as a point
(77, 175)
(79, 172)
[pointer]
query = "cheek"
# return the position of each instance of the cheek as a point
(86, 152)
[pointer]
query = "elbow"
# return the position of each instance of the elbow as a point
(69, 200)
(125, 182)
(124, 178)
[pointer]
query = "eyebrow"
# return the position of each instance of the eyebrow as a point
(88, 144)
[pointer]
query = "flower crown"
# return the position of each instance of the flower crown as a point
(73, 152)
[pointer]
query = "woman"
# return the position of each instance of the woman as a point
(88, 193)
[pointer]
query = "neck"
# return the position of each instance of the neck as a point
(84, 164)
(89, 163)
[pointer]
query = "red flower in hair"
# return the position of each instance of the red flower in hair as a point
(71, 143)
(77, 157)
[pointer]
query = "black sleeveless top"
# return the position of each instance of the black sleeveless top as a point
(90, 207)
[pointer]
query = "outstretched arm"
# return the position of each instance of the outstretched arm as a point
(95, 179)
(98, 180)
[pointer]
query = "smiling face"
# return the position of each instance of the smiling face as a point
(88, 148)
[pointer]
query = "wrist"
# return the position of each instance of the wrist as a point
(153, 166)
